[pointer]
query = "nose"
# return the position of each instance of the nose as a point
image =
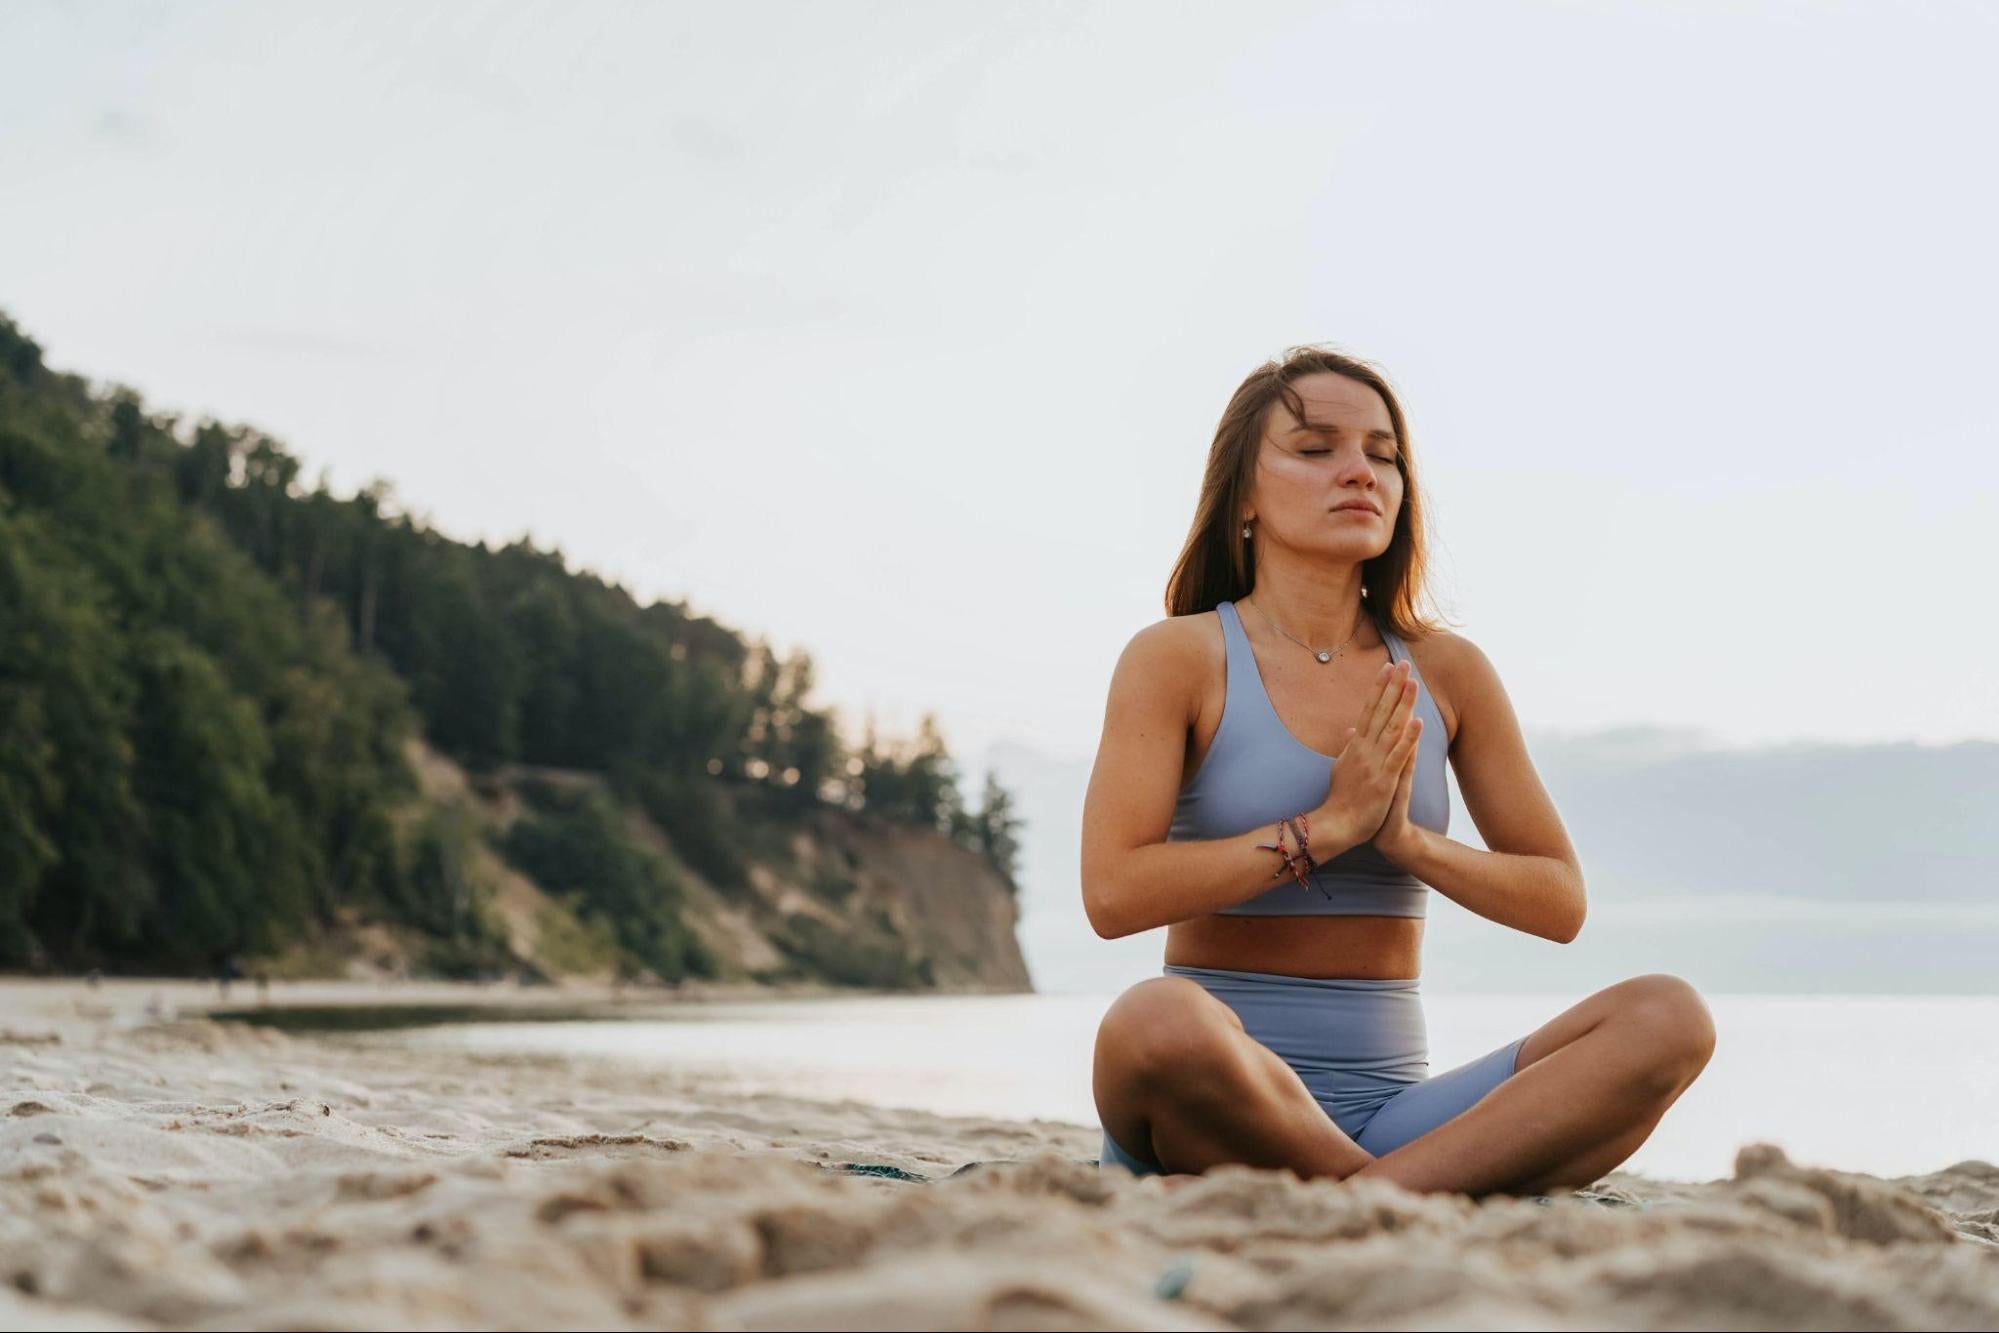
(1354, 467)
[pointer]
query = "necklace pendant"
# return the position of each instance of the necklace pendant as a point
(1324, 656)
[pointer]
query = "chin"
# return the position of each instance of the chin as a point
(1351, 549)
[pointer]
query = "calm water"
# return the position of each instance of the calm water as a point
(1887, 1084)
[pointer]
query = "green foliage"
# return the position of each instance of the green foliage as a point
(918, 783)
(993, 831)
(71, 834)
(914, 782)
(876, 959)
(569, 946)
(195, 765)
(438, 892)
(581, 852)
(542, 793)
(224, 850)
(702, 822)
(208, 673)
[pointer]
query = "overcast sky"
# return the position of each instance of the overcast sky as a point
(899, 332)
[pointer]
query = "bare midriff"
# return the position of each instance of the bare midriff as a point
(1300, 946)
(1303, 946)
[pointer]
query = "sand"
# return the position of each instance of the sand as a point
(166, 1170)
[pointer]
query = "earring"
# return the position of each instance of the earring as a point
(1245, 532)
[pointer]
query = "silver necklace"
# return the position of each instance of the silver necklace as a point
(1323, 654)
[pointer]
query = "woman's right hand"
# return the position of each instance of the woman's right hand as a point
(1369, 768)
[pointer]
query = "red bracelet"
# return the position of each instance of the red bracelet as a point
(1304, 835)
(1279, 848)
(1296, 872)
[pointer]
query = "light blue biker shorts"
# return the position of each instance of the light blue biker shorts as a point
(1360, 1046)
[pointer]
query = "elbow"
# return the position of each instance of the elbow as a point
(1572, 926)
(1102, 920)
(1100, 905)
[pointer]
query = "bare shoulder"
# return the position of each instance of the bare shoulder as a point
(1157, 694)
(1187, 640)
(1172, 658)
(1457, 673)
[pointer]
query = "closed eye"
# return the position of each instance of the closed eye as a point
(1315, 453)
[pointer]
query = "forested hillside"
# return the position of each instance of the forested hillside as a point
(211, 677)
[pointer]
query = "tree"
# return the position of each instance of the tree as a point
(993, 830)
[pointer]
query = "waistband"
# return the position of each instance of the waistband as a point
(1408, 984)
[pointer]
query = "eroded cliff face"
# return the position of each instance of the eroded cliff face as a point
(831, 896)
(883, 891)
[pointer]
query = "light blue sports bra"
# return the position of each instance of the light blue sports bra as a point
(1256, 772)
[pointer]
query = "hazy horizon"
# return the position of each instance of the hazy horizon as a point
(1697, 383)
(1783, 870)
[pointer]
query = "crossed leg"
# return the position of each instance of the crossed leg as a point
(1592, 1084)
(1176, 1075)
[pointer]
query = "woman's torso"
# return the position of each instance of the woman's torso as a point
(1311, 705)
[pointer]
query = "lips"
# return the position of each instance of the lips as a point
(1357, 507)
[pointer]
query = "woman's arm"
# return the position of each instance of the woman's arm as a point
(1133, 878)
(1531, 879)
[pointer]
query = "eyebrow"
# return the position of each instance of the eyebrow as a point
(1317, 428)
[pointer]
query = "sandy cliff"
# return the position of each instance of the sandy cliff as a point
(830, 896)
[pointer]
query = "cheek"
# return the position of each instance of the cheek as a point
(1287, 471)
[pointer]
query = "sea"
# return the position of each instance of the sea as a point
(1886, 1084)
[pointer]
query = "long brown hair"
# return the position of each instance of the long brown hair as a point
(1216, 565)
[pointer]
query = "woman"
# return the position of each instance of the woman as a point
(1270, 787)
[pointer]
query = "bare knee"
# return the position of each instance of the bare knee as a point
(1163, 1027)
(1173, 1059)
(1672, 1027)
(1162, 1024)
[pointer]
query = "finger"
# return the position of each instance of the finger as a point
(1401, 782)
(1402, 786)
(1400, 708)
(1412, 733)
(1386, 696)
(1371, 708)
(1405, 703)
(1387, 702)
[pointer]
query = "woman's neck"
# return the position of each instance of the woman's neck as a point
(1322, 611)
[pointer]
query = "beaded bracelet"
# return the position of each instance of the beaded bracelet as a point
(1280, 828)
(1280, 849)
(1301, 835)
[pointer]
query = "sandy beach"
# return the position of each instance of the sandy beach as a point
(161, 1169)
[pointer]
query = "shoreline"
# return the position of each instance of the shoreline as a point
(194, 995)
(169, 1170)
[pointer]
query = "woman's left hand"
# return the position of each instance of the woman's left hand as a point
(1396, 832)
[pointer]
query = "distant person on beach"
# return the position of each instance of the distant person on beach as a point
(226, 972)
(1270, 787)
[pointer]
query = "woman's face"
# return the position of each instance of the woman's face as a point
(1342, 454)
